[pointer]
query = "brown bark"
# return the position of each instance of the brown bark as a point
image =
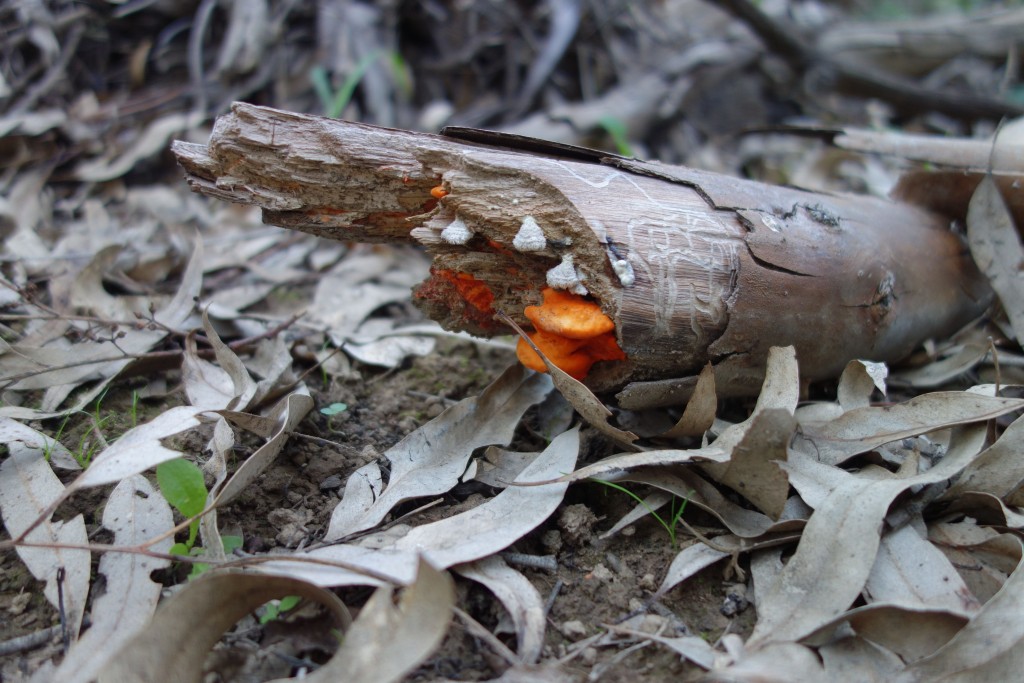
(691, 266)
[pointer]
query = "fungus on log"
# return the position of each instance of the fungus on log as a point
(675, 266)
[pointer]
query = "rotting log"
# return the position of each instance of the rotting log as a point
(690, 266)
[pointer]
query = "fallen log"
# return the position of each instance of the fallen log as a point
(686, 266)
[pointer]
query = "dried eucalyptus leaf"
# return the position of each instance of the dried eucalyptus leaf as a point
(996, 248)
(989, 648)
(138, 449)
(859, 380)
(174, 645)
(699, 414)
(28, 488)
(431, 459)
(287, 414)
(479, 532)
(388, 641)
(135, 513)
(519, 597)
(862, 429)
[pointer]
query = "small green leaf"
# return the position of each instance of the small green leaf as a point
(275, 608)
(231, 543)
(617, 130)
(334, 409)
(197, 569)
(179, 549)
(181, 483)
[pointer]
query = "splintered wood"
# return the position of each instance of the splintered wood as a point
(690, 266)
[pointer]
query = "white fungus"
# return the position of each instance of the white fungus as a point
(457, 233)
(565, 276)
(530, 237)
(624, 271)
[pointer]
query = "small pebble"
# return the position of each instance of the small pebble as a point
(574, 630)
(330, 483)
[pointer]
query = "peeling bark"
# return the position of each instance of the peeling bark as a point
(691, 266)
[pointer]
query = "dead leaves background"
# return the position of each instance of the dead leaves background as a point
(881, 540)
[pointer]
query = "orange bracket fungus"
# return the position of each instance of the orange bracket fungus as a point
(571, 331)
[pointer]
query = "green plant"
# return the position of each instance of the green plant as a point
(674, 514)
(99, 402)
(87, 447)
(48, 446)
(334, 102)
(181, 483)
(275, 608)
(332, 410)
(133, 411)
(617, 130)
(230, 544)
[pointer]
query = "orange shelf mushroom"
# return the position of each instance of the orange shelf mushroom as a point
(571, 331)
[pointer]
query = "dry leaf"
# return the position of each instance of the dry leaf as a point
(51, 370)
(648, 505)
(477, 533)
(910, 632)
(431, 459)
(135, 513)
(753, 470)
(998, 470)
(379, 341)
(996, 248)
(961, 359)
(388, 641)
(152, 140)
(780, 390)
(174, 645)
(220, 447)
(699, 414)
(579, 396)
(911, 572)
(856, 660)
(615, 465)
(216, 387)
(12, 431)
(687, 563)
(984, 557)
(28, 489)
(775, 662)
(499, 466)
(688, 485)
(988, 648)
(138, 449)
(838, 548)
(286, 415)
(859, 380)
(863, 429)
(520, 598)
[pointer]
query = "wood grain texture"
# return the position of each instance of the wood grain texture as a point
(692, 266)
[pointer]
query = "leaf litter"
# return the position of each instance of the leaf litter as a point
(877, 536)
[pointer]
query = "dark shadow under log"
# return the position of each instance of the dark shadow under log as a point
(691, 266)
